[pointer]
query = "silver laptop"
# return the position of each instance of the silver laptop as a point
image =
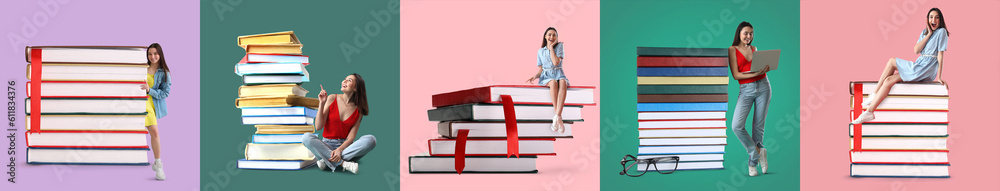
(763, 58)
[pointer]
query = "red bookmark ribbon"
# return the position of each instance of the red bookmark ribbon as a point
(36, 90)
(463, 134)
(511, 119)
(858, 98)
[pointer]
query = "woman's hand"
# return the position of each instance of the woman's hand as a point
(335, 155)
(944, 83)
(322, 93)
(552, 45)
(762, 71)
(531, 79)
(145, 87)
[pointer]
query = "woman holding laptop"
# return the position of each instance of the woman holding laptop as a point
(755, 91)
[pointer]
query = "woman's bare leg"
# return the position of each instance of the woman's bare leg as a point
(884, 91)
(561, 102)
(890, 68)
(154, 139)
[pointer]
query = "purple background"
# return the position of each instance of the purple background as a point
(173, 24)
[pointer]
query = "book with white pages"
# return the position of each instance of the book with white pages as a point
(682, 141)
(655, 115)
(677, 133)
(497, 129)
(899, 156)
(688, 157)
(902, 143)
(687, 149)
(89, 122)
(646, 124)
(684, 165)
(894, 102)
(902, 129)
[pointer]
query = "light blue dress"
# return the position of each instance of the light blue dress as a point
(925, 68)
(549, 70)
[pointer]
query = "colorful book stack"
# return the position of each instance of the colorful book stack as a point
(85, 105)
(682, 104)
(272, 100)
(909, 136)
(487, 121)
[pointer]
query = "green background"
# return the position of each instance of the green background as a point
(627, 24)
(321, 26)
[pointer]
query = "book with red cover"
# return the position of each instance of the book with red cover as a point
(89, 89)
(86, 139)
(664, 61)
(492, 147)
(520, 94)
(667, 98)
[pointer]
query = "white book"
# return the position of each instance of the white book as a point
(899, 170)
(278, 111)
(683, 141)
(81, 54)
(682, 115)
(925, 89)
(90, 105)
(291, 151)
(274, 164)
(688, 157)
(87, 139)
(902, 143)
(278, 120)
(899, 157)
(911, 103)
(676, 133)
(90, 89)
(72, 156)
(90, 122)
(423, 163)
(92, 72)
(924, 116)
(270, 68)
(682, 124)
(901, 129)
(495, 112)
(499, 129)
(670, 150)
(275, 79)
(695, 165)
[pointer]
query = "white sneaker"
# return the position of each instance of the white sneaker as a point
(555, 125)
(868, 101)
(763, 161)
(753, 171)
(350, 166)
(865, 116)
(158, 168)
(321, 165)
(561, 127)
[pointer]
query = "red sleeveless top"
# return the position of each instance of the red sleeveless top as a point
(743, 65)
(334, 127)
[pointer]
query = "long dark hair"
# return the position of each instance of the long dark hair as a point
(736, 39)
(546, 42)
(940, 15)
(159, 50)
(359, 97)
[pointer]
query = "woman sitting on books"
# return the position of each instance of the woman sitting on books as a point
(755, 91)
(550, 73)
(338, 116)
(158, 88)
(931, 44)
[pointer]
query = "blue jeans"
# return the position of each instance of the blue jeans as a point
(758, 95)
(322, 147)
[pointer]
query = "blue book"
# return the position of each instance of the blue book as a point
(277, 138)
(682, 71)
(87, 156)
(711, 106)
(271, 68)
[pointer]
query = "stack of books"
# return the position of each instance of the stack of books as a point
(273, 100)
(90, 107)
(481, 113)
(682, 103)
(909, 136)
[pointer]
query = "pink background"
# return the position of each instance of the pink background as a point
(842, 41)
(494, 42)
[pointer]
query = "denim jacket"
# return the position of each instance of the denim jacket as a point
(159, 91)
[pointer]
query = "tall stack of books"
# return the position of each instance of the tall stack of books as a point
(272, 100)
(682, 103)
(480, 112)
(91, 109)
(909, 136)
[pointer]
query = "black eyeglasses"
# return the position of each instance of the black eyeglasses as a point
(628, 161)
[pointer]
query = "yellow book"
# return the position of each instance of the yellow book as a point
(272, 90)
(274, 48)
(683, 80)
(285, 37)
(277, 101)
(284, 129)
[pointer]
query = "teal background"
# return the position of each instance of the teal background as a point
(321, 26)
(627, 24)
